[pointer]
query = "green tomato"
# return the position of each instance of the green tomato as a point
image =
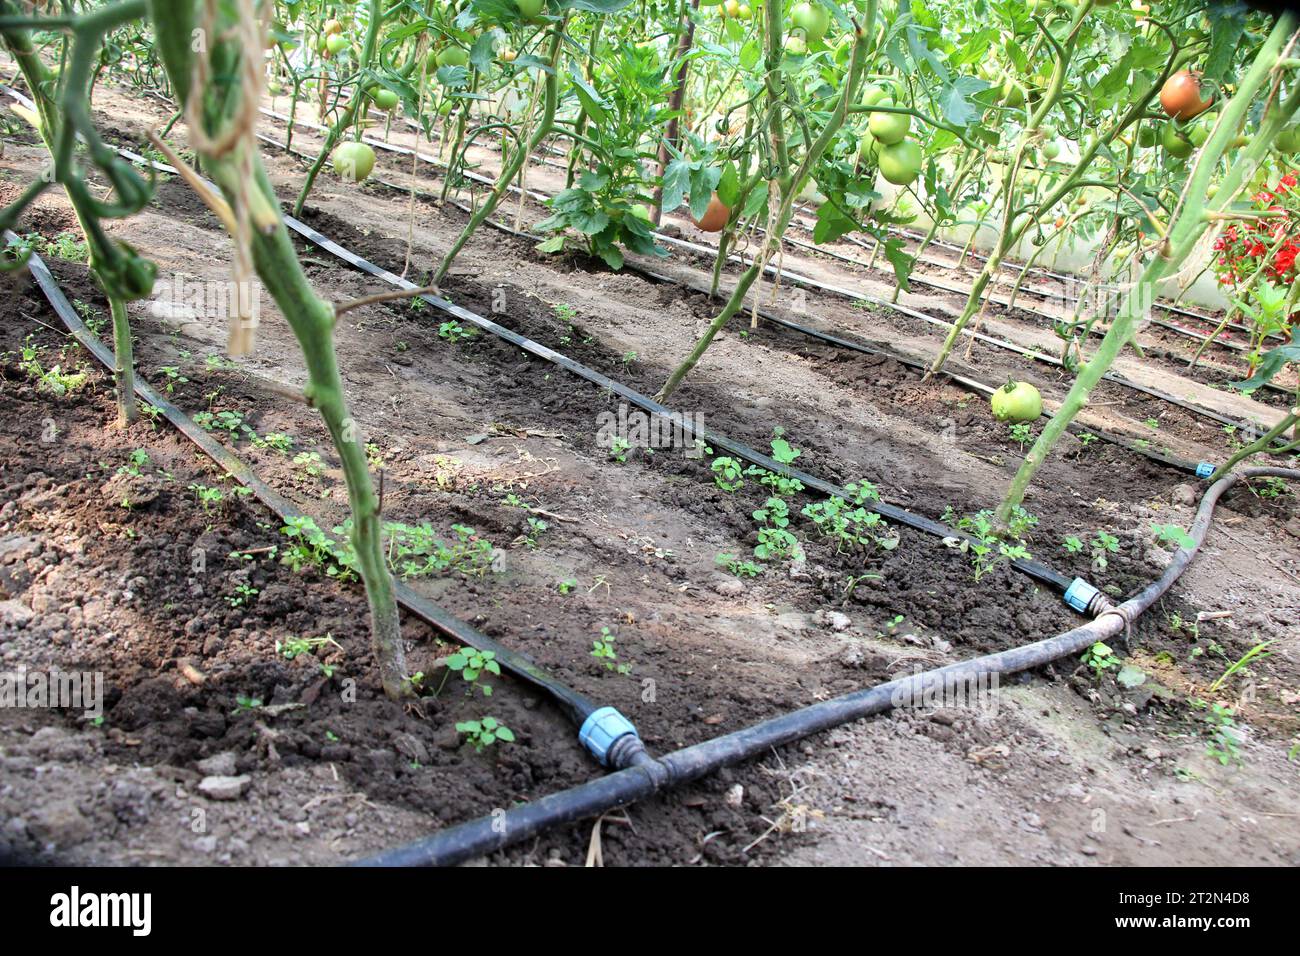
(353, 161)
(868, 147)
(1288, 141)
(873, 95)
(900, 163)
(1013, 94)
(385, 99)
(1051, 150)
(889, 128)
(1175, 143)
(1017, 402)
(812, 19)
(453, 56)
(530, 9)
(336, 43)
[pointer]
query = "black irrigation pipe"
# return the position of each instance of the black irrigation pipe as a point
(1201, 469)
(595, 722)
(648, 776)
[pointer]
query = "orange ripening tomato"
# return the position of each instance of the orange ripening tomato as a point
(1181, 96)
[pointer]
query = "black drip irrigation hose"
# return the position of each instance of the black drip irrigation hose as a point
(1200, 469)
(598, 725)
(648, 775)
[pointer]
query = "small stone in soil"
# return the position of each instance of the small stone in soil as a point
(224, 788)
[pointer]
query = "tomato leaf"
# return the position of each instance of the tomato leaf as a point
(900, 260)
(729, 185)
(453, 77)
(595, 6)
(757, 201)
(1227, 24)
(954, 100)
(591, 101)
(483, 50)
(677, 180)
(831, 224)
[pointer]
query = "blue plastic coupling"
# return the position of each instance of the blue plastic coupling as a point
(1080, 594)
(602, 727)
(1205, 470)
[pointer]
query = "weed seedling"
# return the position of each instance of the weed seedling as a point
(209, 498)
(484, 732)
(172, 377)
(603, 650)
(275, 441)
(1256, 653)
(775, 541)
(1022, 434)
(244, 595)
(741, 569)
(472, 664)
(137, 460)
(727, 474)
(535, 528)
(1224, 744)
(453, 332)
(1103, 544)
(1099, 659)
(309, 462)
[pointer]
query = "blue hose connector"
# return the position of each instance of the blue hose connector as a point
(1079, 595)
(1205, 470)
(602, 727)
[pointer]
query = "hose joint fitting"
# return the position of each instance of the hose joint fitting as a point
(1205, 470)
(1085, 598)
(604, 732)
